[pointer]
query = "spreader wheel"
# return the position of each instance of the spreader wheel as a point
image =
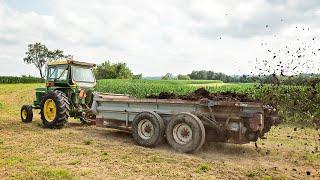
(148, 129)
(26, 113)
(185, 133)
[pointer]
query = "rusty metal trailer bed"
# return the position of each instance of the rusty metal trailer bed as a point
(185, 124)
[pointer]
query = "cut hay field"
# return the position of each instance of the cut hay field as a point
(28, 151)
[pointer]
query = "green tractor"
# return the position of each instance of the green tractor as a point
(68, 93)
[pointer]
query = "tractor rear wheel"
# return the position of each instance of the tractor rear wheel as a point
(26, 113)
(54, 109)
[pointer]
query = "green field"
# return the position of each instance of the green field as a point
(28, 151)
(23, 79)
(143, 88)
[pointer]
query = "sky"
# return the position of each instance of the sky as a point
(157, 37)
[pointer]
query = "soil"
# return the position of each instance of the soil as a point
(164, 95)
(202, 93)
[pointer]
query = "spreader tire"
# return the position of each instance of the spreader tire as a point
(185, 133)
(26, 113)
(55, 109)
(148, 129)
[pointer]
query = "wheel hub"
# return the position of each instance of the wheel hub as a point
(50, 110)
(24, 114)
(182, 133)
(145, 129)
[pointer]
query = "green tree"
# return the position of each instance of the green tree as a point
(103, 71)
(38, 54)
(107, 70)
(58, 55)
(122, 71)
(167, 76)
(183, 77)
(137, 76)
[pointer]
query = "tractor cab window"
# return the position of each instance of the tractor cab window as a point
(59, 73)
(82, 74)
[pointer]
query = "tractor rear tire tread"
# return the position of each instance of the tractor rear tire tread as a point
(62, 112)
(66, 101)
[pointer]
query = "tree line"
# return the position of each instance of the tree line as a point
(207, 75)
(300, 79)
(22, 79)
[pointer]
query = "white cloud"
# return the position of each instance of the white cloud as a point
(153, 37)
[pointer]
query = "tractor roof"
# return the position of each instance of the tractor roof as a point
(62, 62)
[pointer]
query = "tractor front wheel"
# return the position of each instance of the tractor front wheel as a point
(26, 113)
(54, 110)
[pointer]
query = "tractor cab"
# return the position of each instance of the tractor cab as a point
(68, 93)
(70, 73)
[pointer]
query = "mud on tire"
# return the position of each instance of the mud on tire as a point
(148, 129)
(62, 109)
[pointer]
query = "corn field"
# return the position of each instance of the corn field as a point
(23, 79)
(144, 88)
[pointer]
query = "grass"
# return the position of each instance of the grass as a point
(45, 173)
(203, 168)
(252, 174)
(75, 162)
(87, 141)
(104, 156)
(28, 151)
(23, 79)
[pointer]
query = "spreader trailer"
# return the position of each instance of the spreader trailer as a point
(185, 124)
(69, 92)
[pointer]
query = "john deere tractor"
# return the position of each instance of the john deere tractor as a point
(68, 93)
